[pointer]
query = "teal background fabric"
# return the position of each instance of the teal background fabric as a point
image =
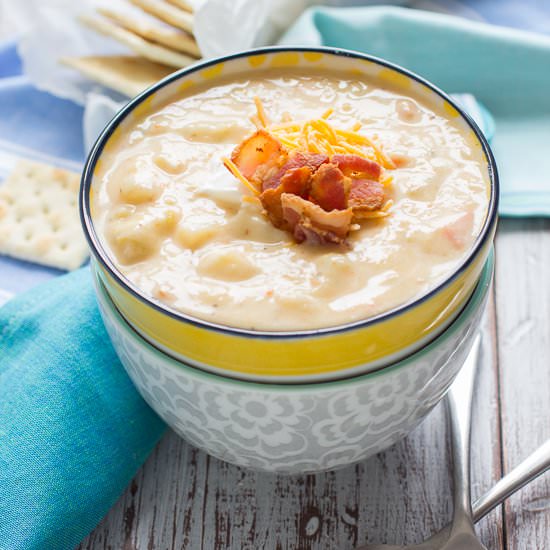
(73, 429)
(507, 70)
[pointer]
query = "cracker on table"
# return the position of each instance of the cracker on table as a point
(153, 29)
(149, 50)
(127, 74)
(167, 12)
(39, 219)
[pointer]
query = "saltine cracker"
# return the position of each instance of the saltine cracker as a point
(39, 219)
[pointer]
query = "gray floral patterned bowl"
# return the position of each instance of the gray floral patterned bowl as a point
(296, 428)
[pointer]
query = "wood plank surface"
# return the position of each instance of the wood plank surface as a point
(523, 294)
(183, 499)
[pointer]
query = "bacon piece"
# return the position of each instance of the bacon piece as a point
(294, 181)
(330, 188)
(311, 160)
(271, 201)
(357, 166)
(295, 160)
(365, 195)
(310, 223)
(261, 148)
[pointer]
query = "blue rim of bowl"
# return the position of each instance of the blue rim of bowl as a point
(481, 290)
(103, 257)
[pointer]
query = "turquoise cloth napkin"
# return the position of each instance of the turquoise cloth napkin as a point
(73, 429)
(507, 70)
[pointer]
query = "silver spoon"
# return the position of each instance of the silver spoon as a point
(533, 466)
(460, 535)
(459, 405)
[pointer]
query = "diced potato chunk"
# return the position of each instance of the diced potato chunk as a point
(194, 237)
(138, 190)
(132, 242)
(408, 111)
(123, 211)
(205, 131)
(136, 237)
(227, 265)
(166, 218)
(136, 183)
(169, 163)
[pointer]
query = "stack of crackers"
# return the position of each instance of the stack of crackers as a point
(159, 32)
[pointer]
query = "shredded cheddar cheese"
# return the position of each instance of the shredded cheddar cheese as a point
(386, 180)
(290, 126)
(261, 111)
(250, 199)
(359, 139)
(318, 136)
(288, 142)
(256, 121)
(375, 214)
(230, 165)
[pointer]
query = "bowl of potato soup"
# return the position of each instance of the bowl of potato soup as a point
(296, 428)
(290, 215)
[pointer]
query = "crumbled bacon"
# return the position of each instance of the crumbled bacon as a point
(313, 196)
(295, 160)
(330, 188)
(366, 195)
(260, 149)
(271, 201)
(354, 165)
(296, 182)
(309, 223)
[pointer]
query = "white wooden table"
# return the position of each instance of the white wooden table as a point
(182, 498)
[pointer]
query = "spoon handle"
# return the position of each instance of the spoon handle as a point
(534, 465)
(459, 402)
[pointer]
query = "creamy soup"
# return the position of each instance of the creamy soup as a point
(186, 231)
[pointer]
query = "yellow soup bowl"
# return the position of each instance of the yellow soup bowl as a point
(298, 356)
